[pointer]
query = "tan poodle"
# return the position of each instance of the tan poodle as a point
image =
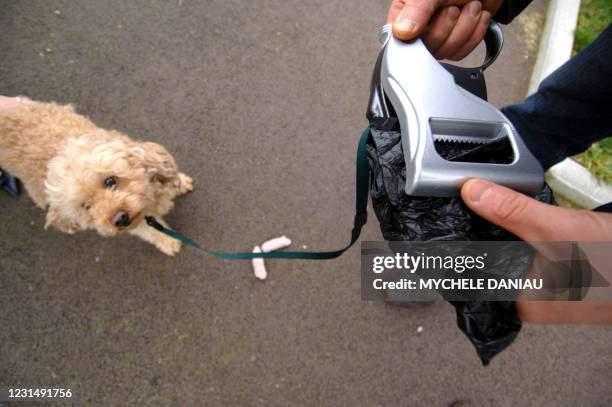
(87, 177)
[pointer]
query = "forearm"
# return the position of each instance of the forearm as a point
(571, 108)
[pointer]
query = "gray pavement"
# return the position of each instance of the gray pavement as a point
(262, 103)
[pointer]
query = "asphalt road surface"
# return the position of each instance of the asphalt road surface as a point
(262, 103)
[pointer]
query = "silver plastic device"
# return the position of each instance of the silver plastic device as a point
(430, 107)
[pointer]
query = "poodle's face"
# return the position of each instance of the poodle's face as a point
(99, 181)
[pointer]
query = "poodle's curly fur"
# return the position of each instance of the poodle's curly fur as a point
(86, 177)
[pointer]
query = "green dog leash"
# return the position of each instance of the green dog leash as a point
(361, 216)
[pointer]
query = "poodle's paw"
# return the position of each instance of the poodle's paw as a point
(186, 183)
(168, 245)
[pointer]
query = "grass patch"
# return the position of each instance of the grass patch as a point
(598, 159)
(594, 17)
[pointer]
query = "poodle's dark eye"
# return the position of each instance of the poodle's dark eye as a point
(110, 181)
(86, 205)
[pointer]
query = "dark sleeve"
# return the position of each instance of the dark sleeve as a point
(510, 9)
(572, 107)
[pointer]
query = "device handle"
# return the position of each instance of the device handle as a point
(494, 41)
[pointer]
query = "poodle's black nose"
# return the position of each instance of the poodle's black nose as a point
(121, 219)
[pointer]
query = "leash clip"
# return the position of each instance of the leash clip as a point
(151, 221)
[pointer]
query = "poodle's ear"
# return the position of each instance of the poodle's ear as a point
(157, 161)
(55, 219)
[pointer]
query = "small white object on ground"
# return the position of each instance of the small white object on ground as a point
(259, 267)
(419, 329)
(275, 244)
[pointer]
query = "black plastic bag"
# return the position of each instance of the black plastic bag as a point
(490, 326)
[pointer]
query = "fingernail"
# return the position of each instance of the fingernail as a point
(485, 18)
(474, 8)
(452, 13)
(405, 24)
(476, 190)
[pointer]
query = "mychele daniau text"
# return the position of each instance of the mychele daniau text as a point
(459, 284)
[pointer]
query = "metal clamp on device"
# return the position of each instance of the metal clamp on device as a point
(431, 106)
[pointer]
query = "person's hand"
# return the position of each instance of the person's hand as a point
(534, 221)
(450, 29)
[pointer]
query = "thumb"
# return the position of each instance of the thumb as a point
(413, 17)
(532, 220)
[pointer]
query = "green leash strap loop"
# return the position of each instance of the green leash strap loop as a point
(361, 217)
